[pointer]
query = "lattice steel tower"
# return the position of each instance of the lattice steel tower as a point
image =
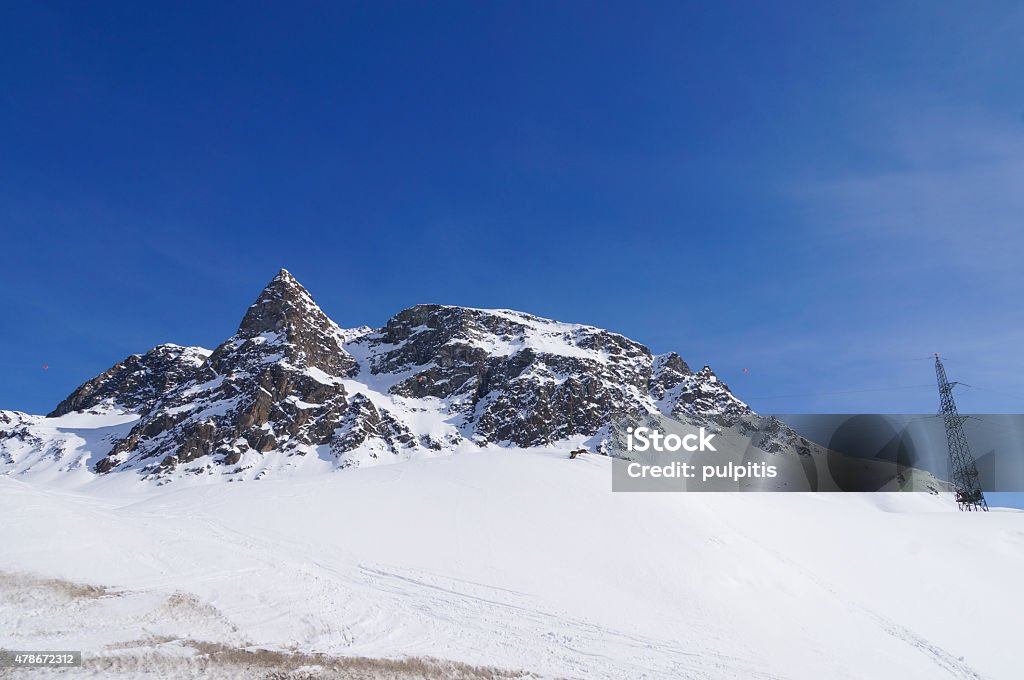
(961, 462)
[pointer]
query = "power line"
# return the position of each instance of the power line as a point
(823, 394)
(1004, 394)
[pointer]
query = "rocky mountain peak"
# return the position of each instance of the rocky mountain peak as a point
(283, 303)
(286, 322)
(671, 362)
(704, 394)
(707, 374)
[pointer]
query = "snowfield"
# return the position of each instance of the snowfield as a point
(511, 562)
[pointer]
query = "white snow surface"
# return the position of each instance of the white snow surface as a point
(520, 559)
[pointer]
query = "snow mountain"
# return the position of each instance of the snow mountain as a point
(291, 387)
(507, 561)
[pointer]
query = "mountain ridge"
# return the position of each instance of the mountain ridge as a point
(290, 382)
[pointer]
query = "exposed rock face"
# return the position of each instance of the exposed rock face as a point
(365, 423)
(286, 313)
(512, 377)
(138, 382)
(291, 383)
(667, 371)
(274, 385)
(15, 432)
(702, 394)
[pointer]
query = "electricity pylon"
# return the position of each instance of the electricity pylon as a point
(961, 462)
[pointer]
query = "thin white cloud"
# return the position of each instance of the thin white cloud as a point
(951, 195)
(925, 253)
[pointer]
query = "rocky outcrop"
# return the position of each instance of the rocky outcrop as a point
(512, 377)
(139, 382)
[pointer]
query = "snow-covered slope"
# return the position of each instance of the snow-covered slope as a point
(521, 560)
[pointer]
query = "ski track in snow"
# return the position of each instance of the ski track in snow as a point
(943, 659)
(572, 642)
(482, 614)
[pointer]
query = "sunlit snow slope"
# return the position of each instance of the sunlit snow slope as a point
(520, 560)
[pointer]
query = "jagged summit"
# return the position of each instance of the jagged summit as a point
(292, 388)
(286, 320)
(283, 302)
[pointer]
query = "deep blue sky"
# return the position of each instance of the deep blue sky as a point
(824, 193)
